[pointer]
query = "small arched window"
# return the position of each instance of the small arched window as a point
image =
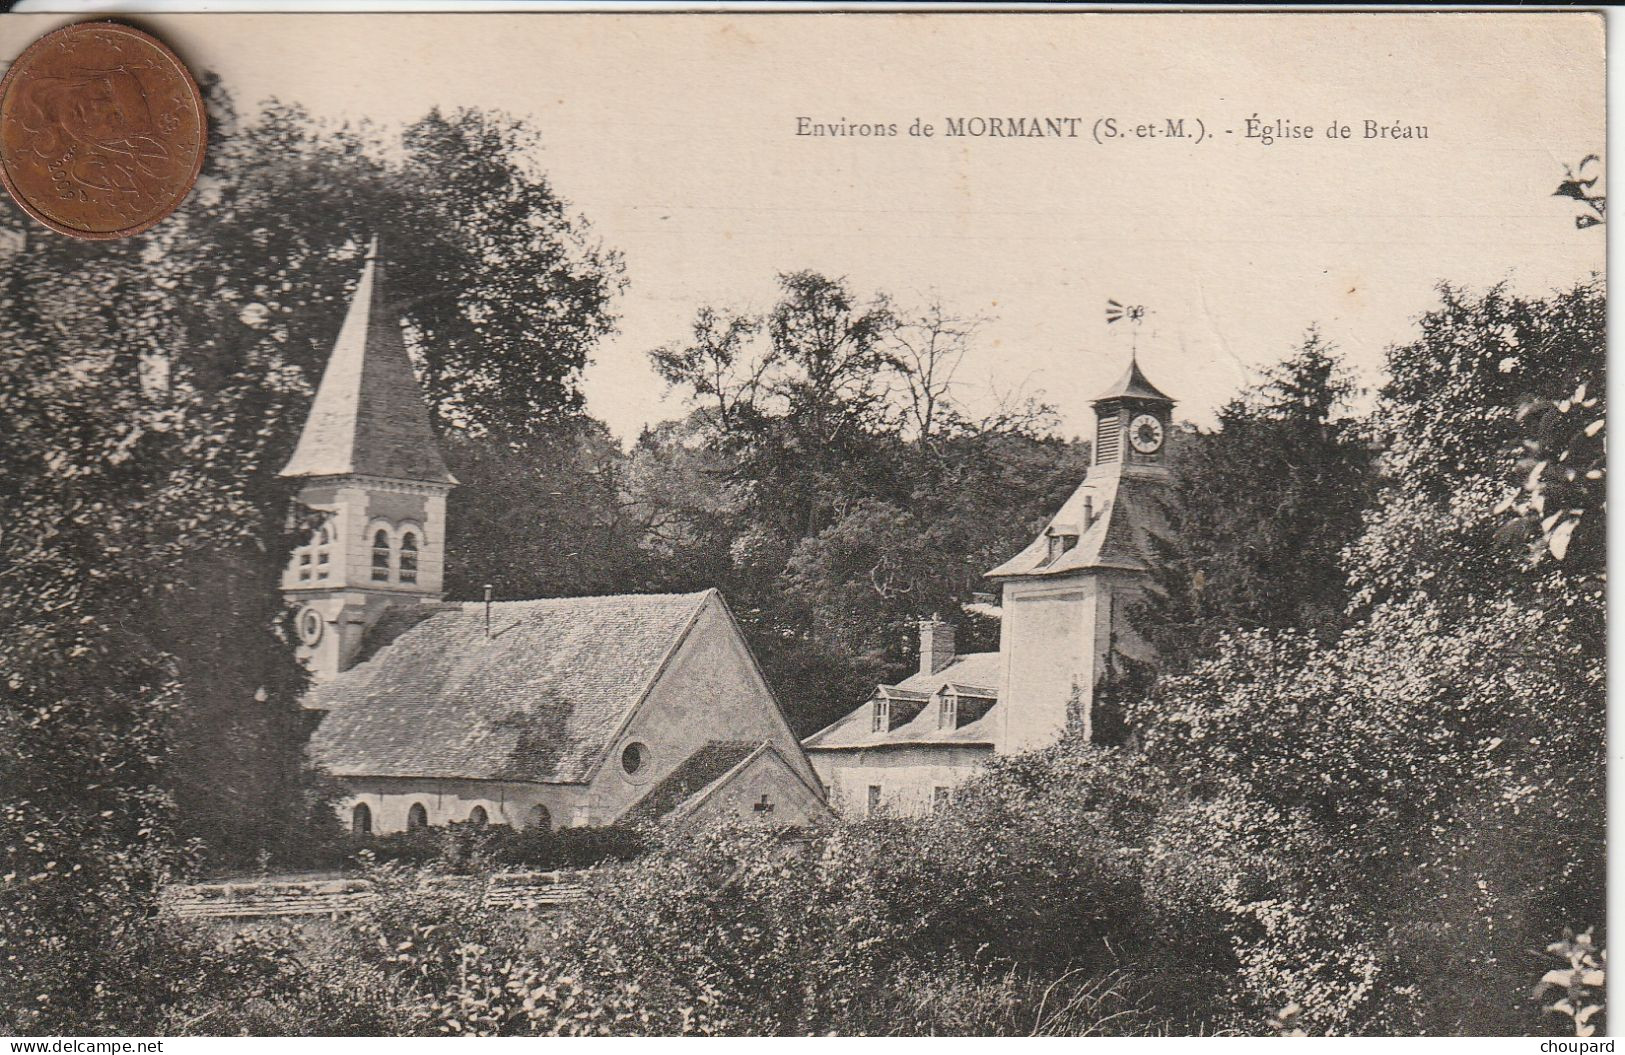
(324, 536)
(380, 556)
(417, 817)
(361, 819)
(478, 817)
(409, 557)
(540, 817)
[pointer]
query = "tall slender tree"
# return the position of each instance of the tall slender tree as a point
(1259, 512)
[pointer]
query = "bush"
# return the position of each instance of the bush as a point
(462, 848)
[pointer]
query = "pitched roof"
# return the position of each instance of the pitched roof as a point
(538, 700)
(1134, 385)
(855, 730)
(1124, 510)
(694, 774)
(369, 417)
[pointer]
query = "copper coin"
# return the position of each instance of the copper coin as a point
(101, 131)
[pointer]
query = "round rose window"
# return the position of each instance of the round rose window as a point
(634, 758)
(310, 626)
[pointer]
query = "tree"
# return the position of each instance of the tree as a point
(541, 519)
(831, 482)
(502, 290)
(1450, 418)
(728, 381)
(1259, 511)
(929, 350)
(1447, 743)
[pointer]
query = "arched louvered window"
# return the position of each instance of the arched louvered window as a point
(409, 557)
(324, 551)
(417, 817)
(380, 556)
(540, 817)
(361, 819)
(478, 817)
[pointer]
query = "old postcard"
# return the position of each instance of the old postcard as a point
(1044, 524)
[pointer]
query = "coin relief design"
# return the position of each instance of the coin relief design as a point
(102, 131)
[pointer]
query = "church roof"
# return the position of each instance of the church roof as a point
(538, 700)
(369, 417)
(694, 774)
(856, 730)
(1122, 510)
(1134, 385)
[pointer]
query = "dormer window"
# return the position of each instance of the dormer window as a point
(380, 556)
(947, 711)
(409, 557)
(1061, 538)
(878, 721)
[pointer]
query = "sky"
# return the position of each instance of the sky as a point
(674, 135)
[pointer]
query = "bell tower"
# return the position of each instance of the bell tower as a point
(1132, 421)
(368, 461)
(1066, 596)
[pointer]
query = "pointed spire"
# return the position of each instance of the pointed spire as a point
(1134, 385)
(369, 417)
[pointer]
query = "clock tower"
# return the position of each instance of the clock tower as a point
(1066, 596)
(1132, 421)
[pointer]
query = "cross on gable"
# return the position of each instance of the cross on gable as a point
(764, 806)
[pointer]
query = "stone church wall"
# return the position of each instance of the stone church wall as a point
(391, 798)
(765, 782)
(709, 691)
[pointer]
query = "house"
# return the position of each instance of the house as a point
(548, 712)
(1063, 616)
(910, 743)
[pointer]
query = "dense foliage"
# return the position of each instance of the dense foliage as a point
(1447, 744)
(830, 480)
(1016, 913)
(1259, 511)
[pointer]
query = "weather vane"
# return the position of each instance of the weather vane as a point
(1134, 313)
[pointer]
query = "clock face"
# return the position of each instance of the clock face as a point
(1145, 432)
(310, 626)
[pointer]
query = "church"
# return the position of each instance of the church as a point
(1063, 615)
(550, 712)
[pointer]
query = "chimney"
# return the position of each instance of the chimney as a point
(936, 645)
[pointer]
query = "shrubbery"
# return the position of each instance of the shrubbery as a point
(1018, 911)
(463, 848)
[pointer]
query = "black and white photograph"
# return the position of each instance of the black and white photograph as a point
(766, 523)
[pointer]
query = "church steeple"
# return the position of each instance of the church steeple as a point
(369, 461)
(369, 417)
